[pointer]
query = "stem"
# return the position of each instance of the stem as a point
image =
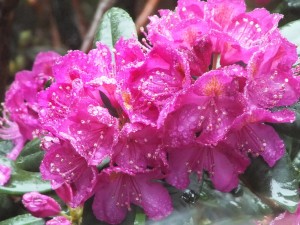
(147, 11)
(102, 7)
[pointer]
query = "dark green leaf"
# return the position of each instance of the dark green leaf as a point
(31, 156)
(6, 207)
(116, 23)
(290, 9)
(5, 147)
(25, 219)
(277, 186)
(31, 148)
(213, 206)
(22, 181)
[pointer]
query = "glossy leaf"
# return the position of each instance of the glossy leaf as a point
(22, 181)
(207, 205)
(289, 32)
(116, 23)
(277, 186)
(31, 147)
(31, 156)
(25, 219)
(6, 207)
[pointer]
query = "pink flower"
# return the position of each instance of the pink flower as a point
(230, 30)
(59, 220)
(223, 163)
(92, 131)
(65, 168)
(249, 134)
(139, 147)
(147, 82)
(271, 81)
(86, 67)
(40, 205)
(206, 110)
(21, 98)
(118, 188)
(5, 173)
(20, 119)
(74, 107)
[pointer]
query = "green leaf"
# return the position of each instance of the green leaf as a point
(5, 147)
(277, 186)
(116, 23)
(31, 147)
(6, 207)
(25, 219)
(31, 156)
(212, 206)
(22, 181)
(290, 32)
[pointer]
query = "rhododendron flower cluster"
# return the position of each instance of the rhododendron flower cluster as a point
(199, 97)
(20, 119)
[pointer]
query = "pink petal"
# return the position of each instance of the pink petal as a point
(155, 198)
(59, 220)
(92, 130)
(139, 146)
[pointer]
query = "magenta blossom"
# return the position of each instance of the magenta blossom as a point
(20, 121)
(206, 110)
(139, 146)
(59, 220)
(118, 188)
(40, 205)
(67, 169)
(147, 81)
(5, 173)
(221, 162)
(21, 98)
(250, 134)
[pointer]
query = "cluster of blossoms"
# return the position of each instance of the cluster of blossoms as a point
(200, 97)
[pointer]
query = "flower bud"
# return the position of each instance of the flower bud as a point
(5, 172)
(40, 205)
(59, 220)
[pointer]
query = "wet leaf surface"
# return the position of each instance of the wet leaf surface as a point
(116, 23)
(22, 181)
(25, 219)
(277, 186)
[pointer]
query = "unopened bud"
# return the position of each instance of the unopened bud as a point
(40, 205)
